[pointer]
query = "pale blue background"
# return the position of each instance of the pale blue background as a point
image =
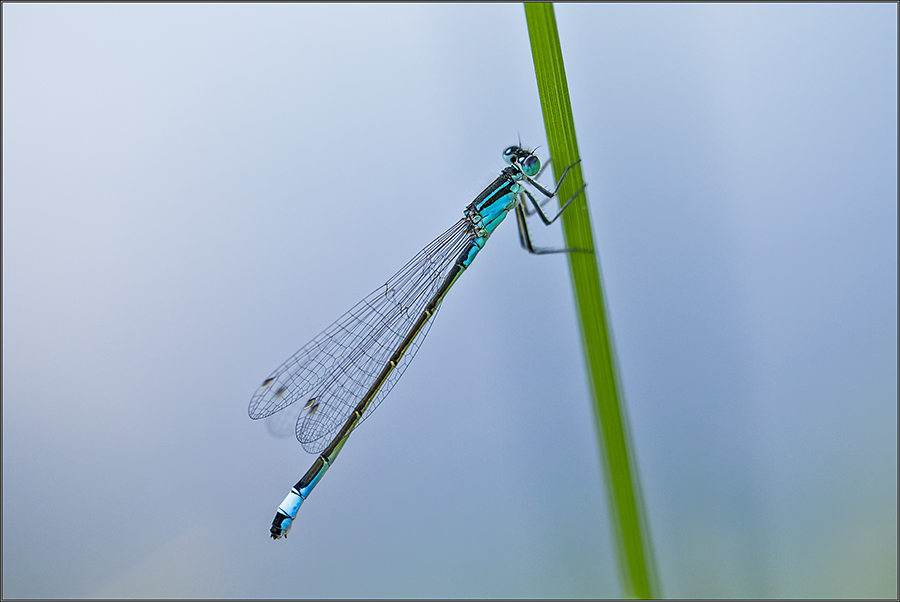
(190, 193)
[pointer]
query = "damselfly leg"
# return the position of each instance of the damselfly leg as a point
(522, 211)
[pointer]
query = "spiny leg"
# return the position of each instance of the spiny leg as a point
(522, 211)
(540, 212)
(525, 238)
(530, 212)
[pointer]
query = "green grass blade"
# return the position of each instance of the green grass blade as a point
(620, 471)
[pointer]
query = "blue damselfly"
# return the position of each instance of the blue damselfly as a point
(344, 373)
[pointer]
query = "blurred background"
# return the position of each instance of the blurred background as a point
(192, 192)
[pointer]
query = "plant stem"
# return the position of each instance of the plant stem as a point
(620, 470)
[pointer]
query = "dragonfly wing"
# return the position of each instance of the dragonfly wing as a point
(336, 369)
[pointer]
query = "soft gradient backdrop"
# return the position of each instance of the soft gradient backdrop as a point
(191, 192)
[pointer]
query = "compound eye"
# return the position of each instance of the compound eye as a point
(510, 153)
(531, 165)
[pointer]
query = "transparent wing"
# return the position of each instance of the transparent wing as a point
(331, 373)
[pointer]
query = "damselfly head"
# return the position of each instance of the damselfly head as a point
(524, 159)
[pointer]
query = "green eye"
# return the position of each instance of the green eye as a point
(531, 165)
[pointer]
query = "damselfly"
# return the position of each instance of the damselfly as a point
(344, 373)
